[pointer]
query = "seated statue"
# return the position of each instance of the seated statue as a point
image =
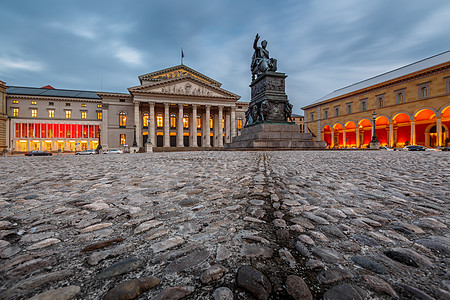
(261, 62)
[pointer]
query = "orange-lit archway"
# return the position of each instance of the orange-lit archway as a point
(337, 140)
(364, 133)
(350, 134)
(425, 120)
(445, 121)
(382, 130)
(402, 130)
(326, 131)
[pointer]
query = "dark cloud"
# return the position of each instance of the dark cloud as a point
(321, 45)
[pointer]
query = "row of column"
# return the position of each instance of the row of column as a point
(230, 125)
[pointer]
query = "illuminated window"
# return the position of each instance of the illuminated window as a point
(99, 115)
(84, 114)
(68, 133)
(122, 120)
(223, 123)
(211, 122)
(145, 120)
(159, 120)
(83, 105)
(34, 113)
(15, 112)
(99, 105)
(68, 114)
(33, 102)
(123, 139)
(186, 121)
(199, 122)
(51, 113)
(239, 123)
(15, 101)
(173, 121)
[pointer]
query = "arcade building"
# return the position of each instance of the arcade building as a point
(407, 106)
(174, 107)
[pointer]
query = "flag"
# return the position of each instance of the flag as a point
(182, 53)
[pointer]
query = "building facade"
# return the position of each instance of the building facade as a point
(3, 116)
(300, 121)
(410, 105)
(174, 107)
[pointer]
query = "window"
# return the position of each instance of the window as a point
(199, 122)
(185, 121)
(424, 90)
(15, 101)
(349, 107)
(173, 121)
(239, 123)
(380, 101)
(99, 105)
(68, 114)
(99, 115)
(83, 105)
(51, 113)
(33, 102)
(51, 103)
(121, 100)
(336, 111)
(159, 120)
(122, 120)
(123, 139)
(84, 114)
(325, 113)
(211, 122)
(223, 123)
(400, 96)
(447, 85)
(67, 104)
(311, 116)
(363, 105)
(145, 120)
(34, 113)
(15, 112)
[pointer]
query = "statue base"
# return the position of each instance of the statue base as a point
(149, 147)
(271, 135)
(374, 145)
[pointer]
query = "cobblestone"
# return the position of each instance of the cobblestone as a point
(367, 223)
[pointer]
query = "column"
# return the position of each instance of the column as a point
(357, 137)
(215, 130)
(180, 126)
(439, 131)
(207, 128)
(332, 138)
(137, 122)
(193, 131)
(166, 125)
(104, 132)
(227, 128)
(344, 136)
(412, 139)
(391, 135)
(220, 129)
(151, 124)
(233, 122)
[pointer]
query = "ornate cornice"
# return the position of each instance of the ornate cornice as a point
(150, 76)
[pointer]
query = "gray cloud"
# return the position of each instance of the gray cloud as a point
(321, 45)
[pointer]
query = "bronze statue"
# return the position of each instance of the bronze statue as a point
(261, 62)
(288, 111)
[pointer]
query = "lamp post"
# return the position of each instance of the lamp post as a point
(134, 141)
(99, 147)
(374, 135)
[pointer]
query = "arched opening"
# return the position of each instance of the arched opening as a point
(402, 130)
(382, 130)
(445, 121)
(364, 133)
(338, 139)
(326, 134)
(350, 134)
(424, 119)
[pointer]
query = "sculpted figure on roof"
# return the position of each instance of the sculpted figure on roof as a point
(261, 62)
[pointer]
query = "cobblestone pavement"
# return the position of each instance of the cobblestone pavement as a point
(218, 225)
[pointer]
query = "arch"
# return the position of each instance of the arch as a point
(423, 118)
(424, 113)
(122, 119)
(338, 135)
(159, 120)
(382, 129)
(337, 126)
(431, 134)
(402, 128)
(401, 117)
(444, 111)
(364, 132)
(326, 132)
(350, 134)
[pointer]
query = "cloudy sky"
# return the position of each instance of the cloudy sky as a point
(322, 45)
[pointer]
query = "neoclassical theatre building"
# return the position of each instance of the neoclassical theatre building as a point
(174, 107)
(410, 105)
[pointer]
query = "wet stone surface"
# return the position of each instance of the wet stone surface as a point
(226, 225)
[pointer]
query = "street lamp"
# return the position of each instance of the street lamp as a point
(134, 141)
(99, 147)
(374, 136)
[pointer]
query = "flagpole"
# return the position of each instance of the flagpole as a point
(182, 55)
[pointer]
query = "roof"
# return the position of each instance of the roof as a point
(296, 116)
(177, 71)
(408, 69)
(44, 92)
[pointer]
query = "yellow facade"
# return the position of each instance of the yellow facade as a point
(410, 109)
(3, 116)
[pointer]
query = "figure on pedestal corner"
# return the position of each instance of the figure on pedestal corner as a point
(288, 112)
(261, 62)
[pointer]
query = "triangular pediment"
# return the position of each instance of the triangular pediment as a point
(183, 86)
(176, 72)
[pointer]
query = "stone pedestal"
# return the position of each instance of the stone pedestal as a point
(149, 147)
(274, 136)
(374, 145)
(134, 149)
